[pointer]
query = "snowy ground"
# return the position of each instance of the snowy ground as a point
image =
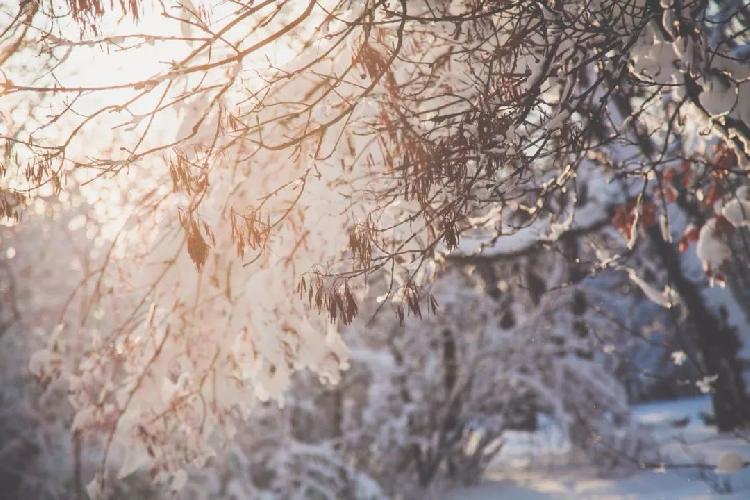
(532, 466)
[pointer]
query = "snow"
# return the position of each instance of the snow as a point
(548, 472)
(711, 249)
(666, 298)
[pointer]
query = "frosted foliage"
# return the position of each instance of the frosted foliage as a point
(198, 326)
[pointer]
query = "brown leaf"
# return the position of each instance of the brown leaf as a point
(197, 247)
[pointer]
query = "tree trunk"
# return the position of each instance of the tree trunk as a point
(716, 340)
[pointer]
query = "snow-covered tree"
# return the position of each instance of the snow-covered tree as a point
(253, 167)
